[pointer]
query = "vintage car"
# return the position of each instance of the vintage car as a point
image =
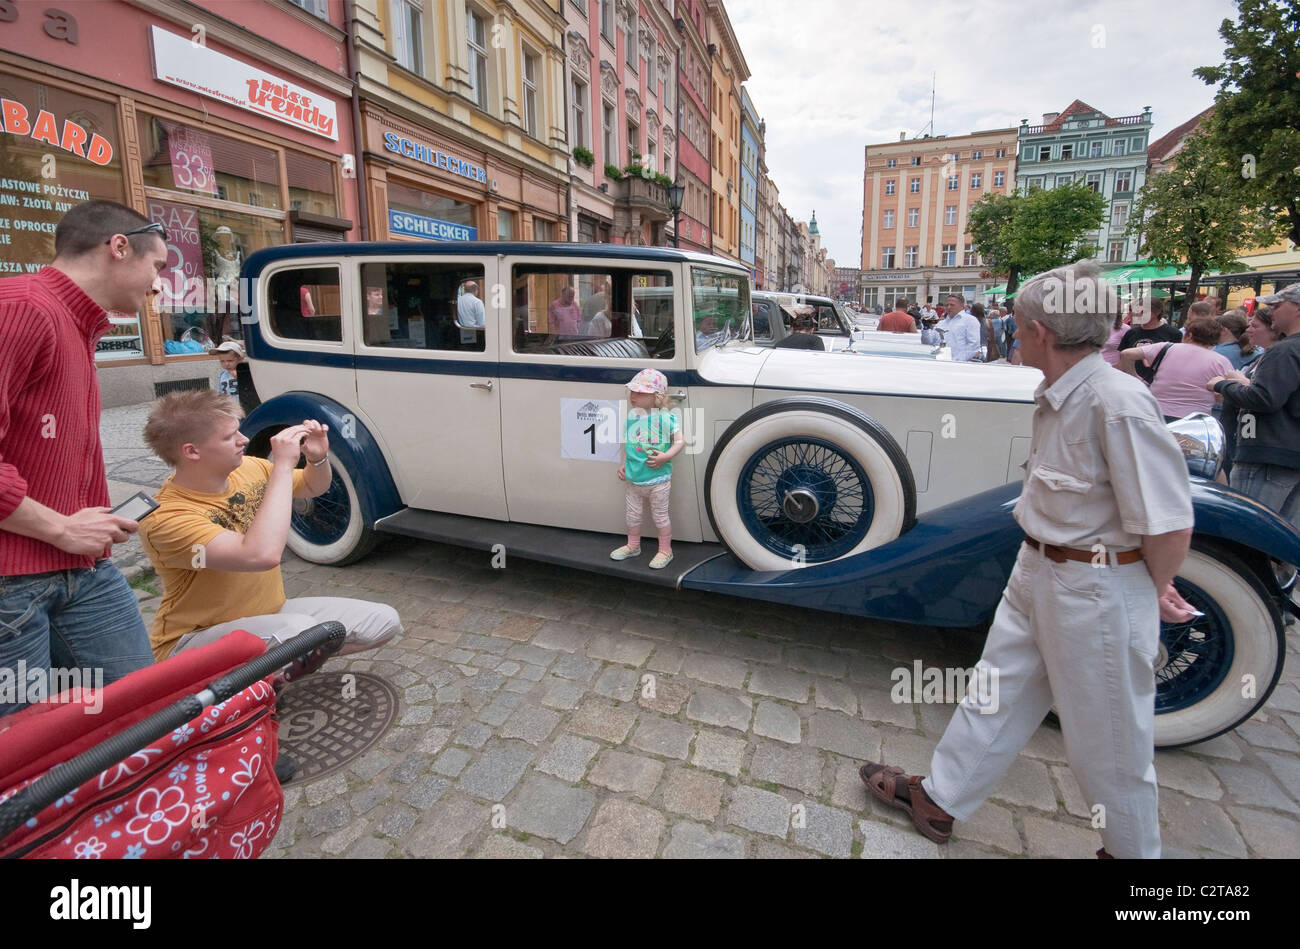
(773, 314)
(867, 485)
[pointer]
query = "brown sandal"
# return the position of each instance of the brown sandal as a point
(930, 819)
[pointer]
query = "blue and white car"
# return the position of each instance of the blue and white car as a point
(868, 485)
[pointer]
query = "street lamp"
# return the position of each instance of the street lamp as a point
(675, 194)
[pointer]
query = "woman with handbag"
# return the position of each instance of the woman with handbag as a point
(1181, 370)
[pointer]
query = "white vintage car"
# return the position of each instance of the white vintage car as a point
(474, 392)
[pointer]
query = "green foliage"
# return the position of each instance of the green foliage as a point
(663, 180)
(1257, 106)
(612, 171)
(1034, 232)
(584, 157)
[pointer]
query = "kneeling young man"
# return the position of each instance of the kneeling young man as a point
(218, 534)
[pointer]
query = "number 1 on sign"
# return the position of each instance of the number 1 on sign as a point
(591, 430)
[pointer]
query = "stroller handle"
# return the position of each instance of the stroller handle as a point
(69, 775)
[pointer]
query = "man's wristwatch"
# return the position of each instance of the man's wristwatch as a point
(317, 464)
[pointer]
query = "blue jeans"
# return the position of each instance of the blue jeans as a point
(1271, 485)
(69, 619)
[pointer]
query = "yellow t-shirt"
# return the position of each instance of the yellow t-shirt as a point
(195, 597)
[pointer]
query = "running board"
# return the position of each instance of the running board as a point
(582, 550)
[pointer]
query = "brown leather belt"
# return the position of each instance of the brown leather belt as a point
(1062, 554)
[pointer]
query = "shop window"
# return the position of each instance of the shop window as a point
(311, 184)
(505, 225)
(423, 306)
(605, 314)
(303, 304)
(180, 158)
(428, 216)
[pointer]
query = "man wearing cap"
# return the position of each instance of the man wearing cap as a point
(1266, 465)
(1107, 515)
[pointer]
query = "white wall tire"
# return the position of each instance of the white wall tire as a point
(1240, 643)
(807, 480)
(331, 528)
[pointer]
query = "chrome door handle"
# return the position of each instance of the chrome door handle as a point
(482, 385)
(678, 395)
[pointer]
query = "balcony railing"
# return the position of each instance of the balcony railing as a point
(1110, 123)
(645, 195)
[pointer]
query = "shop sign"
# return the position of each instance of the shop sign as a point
(71, 137)
(191, 158)
(434, 158)
(177, 61)
(184, 249)
(430, 228)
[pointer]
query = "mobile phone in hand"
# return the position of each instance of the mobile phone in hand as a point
(136, 508)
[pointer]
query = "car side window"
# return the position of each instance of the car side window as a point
(303, 303)
(602, 313)
(423, 305)
(719, 304)
(763, 312)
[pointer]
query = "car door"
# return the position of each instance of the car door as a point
(427, 378)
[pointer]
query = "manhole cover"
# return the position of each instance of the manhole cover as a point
(328, 719)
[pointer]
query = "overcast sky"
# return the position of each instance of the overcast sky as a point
(832, 76)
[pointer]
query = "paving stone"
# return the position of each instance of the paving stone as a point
(339, 841)
(487, 682)
(433, 741)
(662, 737)
(817, 661)
(492, 644)
(1249, 785)
(606, 722)
(451, 695)
(1267, 736)
(412, 767)
(1224, 746)
(519, 628)
(417, 694)
(715, 670)
(531, 673)
(417, 715)
(877, 706)
(694, 842)
(496, 773)
(717, 752)
(501, 847)
(625, 829)
(562, 693)
(568, 757)
(532, 654)
(444, 829)
(693, 793)
(760, 811)
(1183, 772)
(452, 762)
(720, 708)
(848, 790)
(548, 808)
(365, 799)
(837, 732)
(499, 709)
(398, 821)
(427, 791)
(369, 848)
(668, 697)
(790, 767)
(619, 772)
(372, 763)
(1193, 824)
(1269, 835)
(827, 830)
(1027, 783)
(666, 659)
(993, 825)
(474, 735)
(912, 753)
(534, 725)
(1286, 696)
(885, 841)
(838, 696)
(1051, 838)
(779, 722)
(575, 667)
(620, 648)
(509, 668)
(485, 661)
(765, 848)
(1071, 793)
(560, 636)
(457, 655)
(780, 684)
(617, 683)
(519, 686)
(1046, 743)
(753, 648)
(318, 792)
(1286, 768)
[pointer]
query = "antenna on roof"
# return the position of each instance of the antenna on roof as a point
(929, 129)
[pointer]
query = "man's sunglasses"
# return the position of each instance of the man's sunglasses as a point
(154, 228)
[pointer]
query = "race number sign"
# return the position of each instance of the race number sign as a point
(589, 430)
(191, 158)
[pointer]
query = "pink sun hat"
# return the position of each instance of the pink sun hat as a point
(649, 380)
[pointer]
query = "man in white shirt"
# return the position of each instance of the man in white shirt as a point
(961, 331)
(470, 308)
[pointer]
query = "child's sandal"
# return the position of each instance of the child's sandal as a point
(625, 552)
(661, 560)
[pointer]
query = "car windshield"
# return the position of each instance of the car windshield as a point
(720, 307)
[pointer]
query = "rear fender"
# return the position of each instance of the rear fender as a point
(1254, 532)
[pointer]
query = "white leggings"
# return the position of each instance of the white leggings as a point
(657, 495)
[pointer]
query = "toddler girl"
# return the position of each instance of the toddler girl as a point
(652, 438)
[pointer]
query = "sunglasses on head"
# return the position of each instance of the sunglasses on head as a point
(154, 228)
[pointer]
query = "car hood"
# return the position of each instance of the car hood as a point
(800, 369)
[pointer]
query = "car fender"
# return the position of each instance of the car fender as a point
(1252, 528)
(350, 441)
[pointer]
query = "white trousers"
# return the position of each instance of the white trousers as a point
(368, 624)
(1084, 638)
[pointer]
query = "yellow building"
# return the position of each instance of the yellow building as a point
(729, 71)
(463, 119)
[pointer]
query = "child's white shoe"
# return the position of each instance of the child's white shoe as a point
(624, 552)
(661, 560)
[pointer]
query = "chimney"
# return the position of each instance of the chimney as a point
(902, 136)
(1048, 117)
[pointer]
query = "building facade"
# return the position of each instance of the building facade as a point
(917, 195)
(749, 139)
(844, 282)
(730, 71)
(228, 124)
(695, 93)
(1109, 155)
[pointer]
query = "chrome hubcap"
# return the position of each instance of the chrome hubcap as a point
(801, 505)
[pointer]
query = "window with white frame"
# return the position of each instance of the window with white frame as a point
(1094, 149)
(976, 180)
(1121, 147)
(949, 256)
(1135, 145)
(889, 221)
(889, 186)
(652, 149)
(916, 161)
(1123, 182)
(607, 19)
(1000, 153)
(887, 257)
(976, 155)
(319, 8)
(542, 229)
(476, 26)
(1045, 153)
(408, 41)
(911, 255)
(579, 105)
(633, 143)
(1034, 183)
(971, 257)
(1093, 181)
(950, 214)
(954, 182)
(1067, 151)
(609, 131)
(999, 179)
(891, 163)
(913, 217)
(1063, 180)
(629, 43)
(1115, 253)
(530, 93)
(914, 186)
(1119, 215)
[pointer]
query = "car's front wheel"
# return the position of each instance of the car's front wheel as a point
(331, 527)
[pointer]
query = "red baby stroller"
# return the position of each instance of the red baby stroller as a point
(177, 762)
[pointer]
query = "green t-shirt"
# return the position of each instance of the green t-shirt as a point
(646, 430)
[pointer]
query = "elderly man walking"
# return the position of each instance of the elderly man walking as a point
(1107, 515)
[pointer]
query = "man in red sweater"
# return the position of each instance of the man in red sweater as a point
(898, 321)
(62, 602)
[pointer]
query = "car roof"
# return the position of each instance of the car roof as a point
(260, 259)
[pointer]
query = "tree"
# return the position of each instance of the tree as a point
(1029, 233)
(1193, 213)
(1257, 105)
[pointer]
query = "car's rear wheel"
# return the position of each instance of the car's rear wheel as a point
(807, 481)
(331, 527)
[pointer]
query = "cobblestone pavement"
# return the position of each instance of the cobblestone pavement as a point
(526, 727)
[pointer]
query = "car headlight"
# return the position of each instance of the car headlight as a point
(1200, 436)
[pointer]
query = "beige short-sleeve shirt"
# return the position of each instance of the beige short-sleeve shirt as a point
(1103, 468)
